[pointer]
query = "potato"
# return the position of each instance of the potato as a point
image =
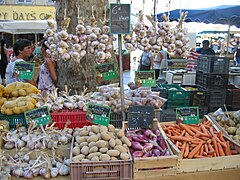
(22, 92)
(91, 133)
(120, 134)
(84, 133)
(101, 144)
(112, 143)
(95, 129)
(93, 138)
(95, 158)
(111, 128)
(121, 149)
(105, 136)
(103, 150)
(118, 142)
(103, 129)
(89, 129)
(85, 160)
(113, 153)
(126, 141)
(231, 130)
(124, 156)
(114, 158)
(104, 157)
(83, 144)
(90, 156)
(78, 158)
(85, 150)
(76, 150)
(93, 149)
(80, 139)
(91, 144)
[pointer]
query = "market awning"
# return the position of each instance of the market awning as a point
(226, 14)
(23, 27)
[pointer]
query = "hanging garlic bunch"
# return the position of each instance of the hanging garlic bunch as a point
(99, 39)
(166, 37)
(181, 42)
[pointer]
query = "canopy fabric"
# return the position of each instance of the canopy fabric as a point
(23, 27)
(226, 14)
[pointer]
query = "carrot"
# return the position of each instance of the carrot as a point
(198, 132)
(211, 150)
(177, 144)
(209, 155)
(211, 131)
(220, 136)
(183, 147)
(183, 132)
(193, 145)
(186, 152)
(215, 145)
(205, 154)
(204, 130)
(201, 151)
(181, 138)
(234, 152)
(194, 151)
(204, 138)
(214, 155)
(198, 156)
(220, 149)
(206, 148)
(222, 143)
(227, 149)
(209, 123)
(175, 133)
(186, 128)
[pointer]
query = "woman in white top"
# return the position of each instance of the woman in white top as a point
(160, 63)
(22, 50)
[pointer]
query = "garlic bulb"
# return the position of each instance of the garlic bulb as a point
(63, 35)
(54, 172)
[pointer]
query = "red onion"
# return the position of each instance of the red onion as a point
(148, 132)
(137, 154)
(136, 145)
(147, 147)
(156, 132)
(156, 152)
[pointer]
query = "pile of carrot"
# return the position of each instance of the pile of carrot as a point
(198, 140)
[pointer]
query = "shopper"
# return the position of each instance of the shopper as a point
(48, 73)
(4, 59)
(206, 49)
(160, 63)
(22, 49)
(237, 56)
(146, 61)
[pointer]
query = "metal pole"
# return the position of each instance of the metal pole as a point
(154, 10)
(121, 74)
(228, 38)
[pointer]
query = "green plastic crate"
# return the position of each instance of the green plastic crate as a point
(176, 98)
(14, 120)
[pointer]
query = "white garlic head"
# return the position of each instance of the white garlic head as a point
(49, 32)
(144, 41)
(66, 56)
(52, 47)
(75, 38)
(63, 44)
(77, 47)
(51, 40)
(97, 30)
(101, 55)
(80, 29)
(101, 47)
(92, 37)
(63, 35)
(105, 29)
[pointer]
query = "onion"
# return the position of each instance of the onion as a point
(136, 145)
(28, 174)
(148, 132)
(137, 154)
(156, 152)
(147, 147)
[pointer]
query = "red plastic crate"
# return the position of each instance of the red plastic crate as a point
(77, 118)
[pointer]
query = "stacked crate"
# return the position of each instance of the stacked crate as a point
(176, 97)
(212, 76)
(233, 98)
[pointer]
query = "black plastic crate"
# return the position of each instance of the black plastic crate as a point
(197, 97)
(211, 81)
(233, 108)
(168, 115)
(233, 96)
(213, 64)
(203, 110)
(212, 109)
(116, 119)
(217, 98)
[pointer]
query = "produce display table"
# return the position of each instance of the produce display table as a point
(229, 174)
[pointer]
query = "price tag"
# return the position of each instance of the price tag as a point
(188, 115)
(120, 18)
(98, 114)
(40, 115)
(25, 70)
(106, 71)
(145, 78)
(140, 116)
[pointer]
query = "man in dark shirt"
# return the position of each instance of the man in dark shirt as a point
(206, 49)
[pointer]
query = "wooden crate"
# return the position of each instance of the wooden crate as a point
(205, 164)
(154, 167)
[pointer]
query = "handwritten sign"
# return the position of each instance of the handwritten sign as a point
(188, 115)
(24, 69)
(145, 78)
(120, 18)
(140, 116)
(98, 114)
(106, 71)
(40, 115)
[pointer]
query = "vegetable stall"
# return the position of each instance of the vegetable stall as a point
(81, 132)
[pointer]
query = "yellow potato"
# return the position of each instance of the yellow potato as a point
(22, 92)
